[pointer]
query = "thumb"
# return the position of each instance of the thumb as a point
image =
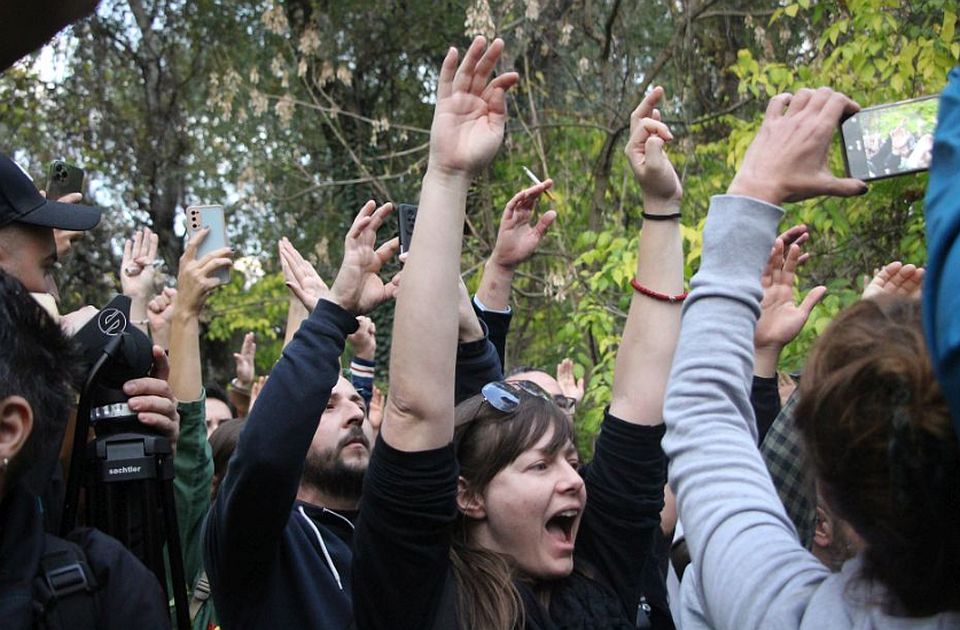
(844, 187)
(654, 150)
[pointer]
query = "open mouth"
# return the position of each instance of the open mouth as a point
(560, 525)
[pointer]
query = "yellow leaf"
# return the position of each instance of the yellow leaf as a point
(948, 30)
(792, 10)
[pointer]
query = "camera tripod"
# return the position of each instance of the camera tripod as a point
(128, 476)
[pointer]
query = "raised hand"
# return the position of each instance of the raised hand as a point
(517, 238)
(662, 190)
(198, 277)
(245, 360)
(137, 268)
(895, 278)
(471, 110)
(300, 276)
(787, 160)
(364, 341)
(65, 238)
(570, 386)
(781, 318)
(358, 287)
(160, 314)
(375, 410)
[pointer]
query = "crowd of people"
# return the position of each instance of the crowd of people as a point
(456, 497)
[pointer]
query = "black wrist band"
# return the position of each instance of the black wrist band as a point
(659, 217)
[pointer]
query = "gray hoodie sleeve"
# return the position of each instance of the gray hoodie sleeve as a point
(749, 571)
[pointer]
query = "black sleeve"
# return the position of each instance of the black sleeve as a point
(498, 325)
(624, 497)
(477, 365)
(253, 504)
(765, 399)
(401, 557)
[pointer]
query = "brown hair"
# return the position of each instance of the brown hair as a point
(487, 440)
(878, 433)
(223, 442)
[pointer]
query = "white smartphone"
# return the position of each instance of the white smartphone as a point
(199, 217)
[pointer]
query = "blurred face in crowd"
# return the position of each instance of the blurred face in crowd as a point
(29, 253)
(340, 450)
(217, 412)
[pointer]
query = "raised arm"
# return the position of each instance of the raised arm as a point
(941, 296)
(747, 570)
(136, 273)
(467, 130)
(653, 322)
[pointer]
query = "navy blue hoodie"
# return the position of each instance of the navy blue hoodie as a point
(274, 562)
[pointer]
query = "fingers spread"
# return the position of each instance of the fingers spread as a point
(389, 249)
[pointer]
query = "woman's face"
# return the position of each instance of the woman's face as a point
(532, 511)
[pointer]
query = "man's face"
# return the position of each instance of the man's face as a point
(340, 450)
(29, 254)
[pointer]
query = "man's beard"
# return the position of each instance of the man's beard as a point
(327, 471)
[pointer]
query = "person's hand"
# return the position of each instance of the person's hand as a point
(364, 341)
(137, 268)
(160, 313)
(895, 278)
(517, 238)
(375, 410)
(245, 360)
(300, 277)
(65, 238)
(787, 161)
(471, 110)
(198, 277)
(662, 190)
(570, 386)
(153, 401)
(781, 318)
(358, 287)
(72, 322)
(255, 390)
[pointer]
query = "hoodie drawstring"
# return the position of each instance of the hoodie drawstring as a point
(323, 547)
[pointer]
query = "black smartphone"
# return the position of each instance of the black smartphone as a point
(890, 140)
(407, 216)
(63, 179)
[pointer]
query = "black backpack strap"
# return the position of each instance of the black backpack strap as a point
(64, 593)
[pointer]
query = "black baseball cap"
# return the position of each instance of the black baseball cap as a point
(21, 202)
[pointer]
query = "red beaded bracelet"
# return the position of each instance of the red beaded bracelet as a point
(663, 297)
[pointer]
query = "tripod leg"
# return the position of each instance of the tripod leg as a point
(175, 553)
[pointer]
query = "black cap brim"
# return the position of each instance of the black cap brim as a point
(63, 216)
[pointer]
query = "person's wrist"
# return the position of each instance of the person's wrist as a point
(660, 205)
(756, 188)
(495, 264)
(766, 359)
(366, 352)
(448, 176)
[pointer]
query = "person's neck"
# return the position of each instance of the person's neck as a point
(315, 496)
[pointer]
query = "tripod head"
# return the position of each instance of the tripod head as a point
(114, 352)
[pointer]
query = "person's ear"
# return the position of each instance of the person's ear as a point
(469, 502)
(16, 423)
(823, 534)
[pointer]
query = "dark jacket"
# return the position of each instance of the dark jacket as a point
(127, 595)
(274, 562)
(402, 574)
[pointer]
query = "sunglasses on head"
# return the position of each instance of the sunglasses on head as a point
(505, 395)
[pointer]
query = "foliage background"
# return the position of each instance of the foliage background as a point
(293, 112)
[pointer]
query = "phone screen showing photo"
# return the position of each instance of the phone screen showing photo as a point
(890, 140)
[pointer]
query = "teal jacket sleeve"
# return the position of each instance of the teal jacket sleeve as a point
(193, 473)
(941, 291)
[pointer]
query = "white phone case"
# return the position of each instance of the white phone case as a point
(199, 217)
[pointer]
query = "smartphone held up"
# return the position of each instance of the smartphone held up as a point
(889, 140)
(200, 217)
(63, 179)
